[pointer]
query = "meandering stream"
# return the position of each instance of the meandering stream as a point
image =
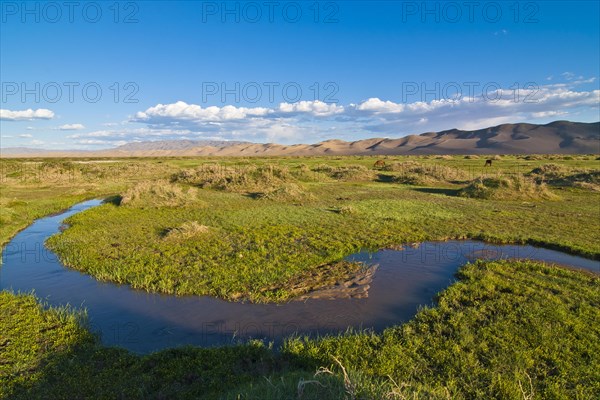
(145, 322)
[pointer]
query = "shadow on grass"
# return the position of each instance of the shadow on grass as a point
(254, 195)
(115, 200)
(86, 371)
(444, 191)
(385, 178)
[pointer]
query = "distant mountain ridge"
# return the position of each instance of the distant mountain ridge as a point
(559, 137)
(175, 145)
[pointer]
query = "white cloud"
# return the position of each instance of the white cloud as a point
(378, 106)
(315, 108)
(71, 127)
(546, 114)
(191, 112)
(310, 121)
(29, 114)
(568, 75)
(25, 135)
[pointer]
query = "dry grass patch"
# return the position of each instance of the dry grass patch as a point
(286, 192)
(239, 179)
(515, 187)
(159, 193)
(346, 173)
(415, 173)
(187, 230)
(563, 176)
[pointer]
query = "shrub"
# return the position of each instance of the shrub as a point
(346, 173)
(561, 176)
(548, 171)
(516, 187)
(303, 173)
(241, 179)
(160, 193)
(415, 173)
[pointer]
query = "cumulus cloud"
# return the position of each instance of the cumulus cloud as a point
(378, 106)
(310, 121)
(71, 127)
(315, 108)
(29, 114)
(191, 112)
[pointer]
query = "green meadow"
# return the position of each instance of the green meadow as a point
(245, 229)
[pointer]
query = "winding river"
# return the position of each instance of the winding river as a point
(145, 322)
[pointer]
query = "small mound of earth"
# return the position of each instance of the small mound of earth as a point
(354, 286)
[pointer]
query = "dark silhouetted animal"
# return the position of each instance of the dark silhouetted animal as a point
(379, 164)
(488, 163)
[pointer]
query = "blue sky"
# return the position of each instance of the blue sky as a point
(100, 74)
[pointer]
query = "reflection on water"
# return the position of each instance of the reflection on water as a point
(145, 322)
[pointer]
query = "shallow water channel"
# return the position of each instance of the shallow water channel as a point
(145, 322)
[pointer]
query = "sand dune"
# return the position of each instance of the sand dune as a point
(559, 137)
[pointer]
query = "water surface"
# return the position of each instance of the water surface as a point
(145, 322)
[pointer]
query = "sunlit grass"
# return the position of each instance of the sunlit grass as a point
(506, 330)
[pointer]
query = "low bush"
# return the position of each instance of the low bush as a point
(562, 176)
(415, 173)
(515, 187)
(159, 193)
(346, 173)
(242, 179)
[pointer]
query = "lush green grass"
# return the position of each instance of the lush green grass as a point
(47, 354)
(31, 189)
(254, 243)
(506, 330)
(29, 334)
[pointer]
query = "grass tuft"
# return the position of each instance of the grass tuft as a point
(187, 230)
(514, 187)
(159, 193)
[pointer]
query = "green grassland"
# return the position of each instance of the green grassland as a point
(247, 229)
(507, 330)
(247, 232)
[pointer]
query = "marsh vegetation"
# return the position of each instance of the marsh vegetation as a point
(269, 230)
